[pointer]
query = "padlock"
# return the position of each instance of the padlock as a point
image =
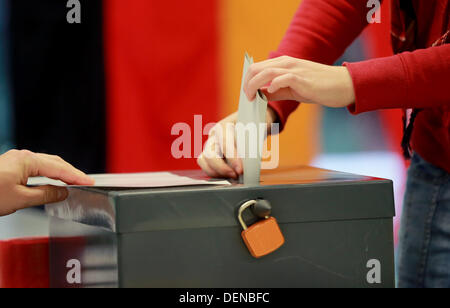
(262, 208)
(263, 237)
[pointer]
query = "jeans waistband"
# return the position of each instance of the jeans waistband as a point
(420, 167)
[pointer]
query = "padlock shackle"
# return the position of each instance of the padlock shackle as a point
(243, 207)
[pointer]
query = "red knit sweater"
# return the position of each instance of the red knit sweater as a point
(321, 31)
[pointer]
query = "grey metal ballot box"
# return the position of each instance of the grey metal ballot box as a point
(338, 231)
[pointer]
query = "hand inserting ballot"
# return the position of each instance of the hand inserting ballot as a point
(287, 78)
(217, 160)
(283, 78)
(15, 168)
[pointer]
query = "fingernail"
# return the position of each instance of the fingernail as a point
(87, 180)
(90, 180)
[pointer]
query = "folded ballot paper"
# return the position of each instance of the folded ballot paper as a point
(251, 131)
(139, 180)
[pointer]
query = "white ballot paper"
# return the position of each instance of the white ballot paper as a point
(251, 131)
(135, 180)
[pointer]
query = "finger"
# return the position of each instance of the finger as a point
(56, 168)
(212, 148)
(58, 159)
(33, 196)
(211, 159)
(280, 95)
(220, 149)
(228, 145)
(206, 168)
(262, 79)
(256, 68)
(286, 87)
(288, 80)
(219, 166)
(52, 157)
(214, 159)
(236, 164)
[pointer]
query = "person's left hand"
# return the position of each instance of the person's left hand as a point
(287, 78)
(15, 168)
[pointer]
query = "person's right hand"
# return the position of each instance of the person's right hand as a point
(288, 78)
(17, 166)
(217, 159)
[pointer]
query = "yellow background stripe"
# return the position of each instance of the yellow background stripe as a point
(257, 26)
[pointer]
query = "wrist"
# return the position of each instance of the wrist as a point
(348, 90)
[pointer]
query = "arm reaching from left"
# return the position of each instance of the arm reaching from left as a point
(15, 168)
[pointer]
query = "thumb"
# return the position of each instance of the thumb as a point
(42, 195)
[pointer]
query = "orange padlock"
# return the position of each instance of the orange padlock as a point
(263, 237)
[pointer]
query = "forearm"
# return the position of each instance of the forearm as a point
(320, 31)
(416, 79)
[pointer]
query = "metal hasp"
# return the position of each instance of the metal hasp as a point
(243, 207)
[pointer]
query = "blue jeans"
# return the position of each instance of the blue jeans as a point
(424, 247)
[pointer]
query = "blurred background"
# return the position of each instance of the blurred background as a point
(104, 94)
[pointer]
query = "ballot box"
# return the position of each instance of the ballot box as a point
(338, 231)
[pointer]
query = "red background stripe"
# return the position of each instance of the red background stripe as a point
(162, 67)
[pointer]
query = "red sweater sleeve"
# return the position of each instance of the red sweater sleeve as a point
(320, 31)
(416, 79)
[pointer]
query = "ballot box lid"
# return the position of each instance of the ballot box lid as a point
(297, 194)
